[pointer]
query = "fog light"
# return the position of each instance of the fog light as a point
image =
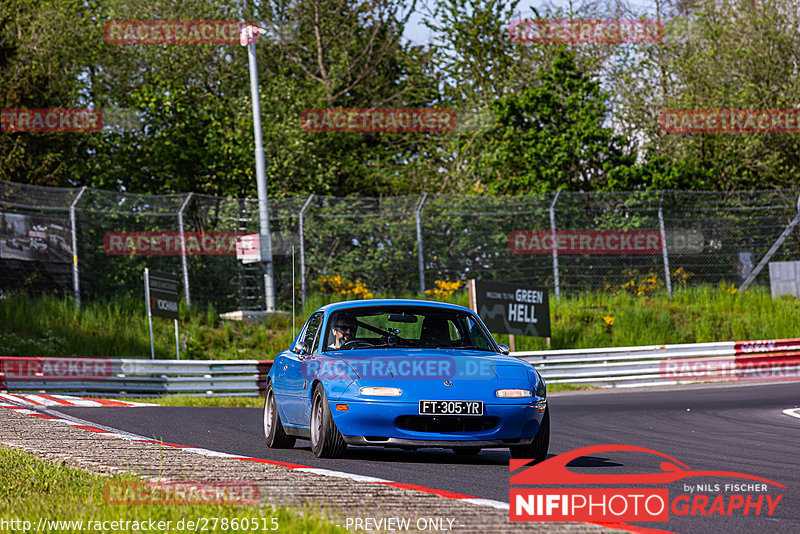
(380, 392)
(513, 393)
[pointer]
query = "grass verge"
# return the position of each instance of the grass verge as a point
(52, 326)
(200, 401)
(34, 490)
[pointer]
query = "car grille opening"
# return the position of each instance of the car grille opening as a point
(445, 423)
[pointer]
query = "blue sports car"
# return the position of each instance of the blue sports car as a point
(403, 373)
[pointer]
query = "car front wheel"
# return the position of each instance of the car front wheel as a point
(273, 429)
(326, 441)
(537, 450)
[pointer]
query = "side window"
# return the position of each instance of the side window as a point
(310, 335)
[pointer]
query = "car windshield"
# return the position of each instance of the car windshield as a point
(413, 327)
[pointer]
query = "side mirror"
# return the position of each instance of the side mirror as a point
(300, 348)
(504, 349)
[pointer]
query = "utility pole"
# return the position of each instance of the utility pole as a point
(248, 38)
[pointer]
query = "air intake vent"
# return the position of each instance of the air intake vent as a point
(444, 423)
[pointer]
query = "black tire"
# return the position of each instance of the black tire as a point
(326, 441)
(273, 428)
(466, 451)
(537, 450)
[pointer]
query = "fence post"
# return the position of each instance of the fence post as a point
(76, 278)
(773, 249)
(555, 242)
(301, 217)
(420, 255)
(664, 246)
(184, 266)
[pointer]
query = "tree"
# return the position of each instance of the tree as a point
(40, 66)
(716, 54)
(552, 136)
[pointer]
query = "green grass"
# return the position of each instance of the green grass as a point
(31, 488)
(567, 387)
(205, 401)
(51, 326)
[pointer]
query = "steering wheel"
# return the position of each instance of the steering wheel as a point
(353, 343)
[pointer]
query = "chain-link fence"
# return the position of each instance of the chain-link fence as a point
(95, 244)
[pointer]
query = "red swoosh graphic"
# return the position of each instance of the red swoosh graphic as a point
(554, 470)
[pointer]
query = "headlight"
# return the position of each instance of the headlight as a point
(380, 392)
(513, 393)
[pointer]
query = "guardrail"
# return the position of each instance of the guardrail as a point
(93, 376)
(776, 359)
(773, 359)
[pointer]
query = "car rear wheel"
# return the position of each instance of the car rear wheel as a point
(273, 429)
(326, 441)
(537, 450)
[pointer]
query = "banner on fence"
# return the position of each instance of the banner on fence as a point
(34, 238)
(521, 310)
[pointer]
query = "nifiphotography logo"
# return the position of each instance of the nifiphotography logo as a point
(614, 502)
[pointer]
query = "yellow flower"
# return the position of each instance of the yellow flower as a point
(444, 288)
(341, 286)
(608, 320)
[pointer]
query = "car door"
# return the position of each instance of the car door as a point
(296, 399)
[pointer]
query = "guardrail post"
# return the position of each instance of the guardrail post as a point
(773, 249)
(555, 242)
(184, 265)
(76, 275)
(301, 218)
(420, 255)
(664, 246)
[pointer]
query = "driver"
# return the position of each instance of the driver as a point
(344, 330)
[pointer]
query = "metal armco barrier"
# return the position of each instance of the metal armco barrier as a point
(773, 359)
(769, 360)
(133, 376)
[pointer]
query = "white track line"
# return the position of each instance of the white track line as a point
(121, 434)
(68, 400)
(792, 412)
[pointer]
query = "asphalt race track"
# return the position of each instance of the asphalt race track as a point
(739, 428)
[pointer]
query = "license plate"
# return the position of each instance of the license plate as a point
(438, 407)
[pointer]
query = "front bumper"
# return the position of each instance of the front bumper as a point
(375, 423)
(398, 442)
